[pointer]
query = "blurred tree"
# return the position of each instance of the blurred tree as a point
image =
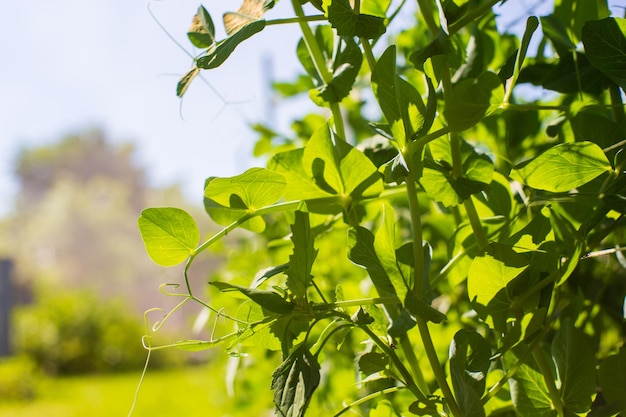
(74, 223)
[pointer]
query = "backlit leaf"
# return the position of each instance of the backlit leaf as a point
(564, 167)
(470, 100)
(528, 387)
(202, 31)
(350, 23)
(169, 234)
(487, 276)
(303, 256)
(398, 99)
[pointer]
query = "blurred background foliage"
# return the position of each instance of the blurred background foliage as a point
(81, 281)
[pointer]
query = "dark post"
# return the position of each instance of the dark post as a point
(5, 305)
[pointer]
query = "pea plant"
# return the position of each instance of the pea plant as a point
(437, 239)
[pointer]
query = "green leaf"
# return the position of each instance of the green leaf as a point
(346, 67)
(564, 167)
(361, 252)
(384, 246)
(185, 81)
(249, 11)
(605, 46)
(267, 299)
(575, 13)
(555, 30)
(230, 199)
(223, 49)
(350, 23)
(294, 382)
(576, 367)
(469, 363)
(528, 387)
(488, 275)
(470, 100)
(169, 234)
(438, 180)
(202, 31)
(420, 308)
(372, 362)
(339, 168)
(612, 377)
(303, 256)
(399, 100)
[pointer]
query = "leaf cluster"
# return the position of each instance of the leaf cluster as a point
(447, 242)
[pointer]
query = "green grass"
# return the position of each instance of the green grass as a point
(186, 392)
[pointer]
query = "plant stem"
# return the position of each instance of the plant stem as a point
(617, 104)
(320, 64)
(418, 289)
(428, 14)
(315, 18)
(409, 381)
(368, 398)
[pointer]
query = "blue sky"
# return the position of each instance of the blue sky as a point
(69, 65)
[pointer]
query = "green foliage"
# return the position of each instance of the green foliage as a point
(17, 378)
(450, 251)
(77, 333)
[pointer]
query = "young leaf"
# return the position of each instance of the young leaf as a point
(488, 275)
(202, 31)
(267, 299)
(385, 248)
(248, 12)
(169, 234)
(303, 256)
(349, 22)
(399, 100)
(470, 100)
(230, 199)
(605, 46)
(576, 367)
(185, 81)
(346, 63)
(224, 48)
(564, 167)
(294, 382)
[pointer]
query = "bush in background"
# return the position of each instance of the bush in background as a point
(75, 333)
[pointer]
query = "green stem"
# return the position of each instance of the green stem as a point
(367, 398)
(315, 18)
(414, 146)
(617, 104)
(357, 303)
(409, 353)
(320, 64)
(477, 227)
(408, 378)
(369, 54)
(428, 14)
(418, 290)
(416, 225)
(548, 376)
